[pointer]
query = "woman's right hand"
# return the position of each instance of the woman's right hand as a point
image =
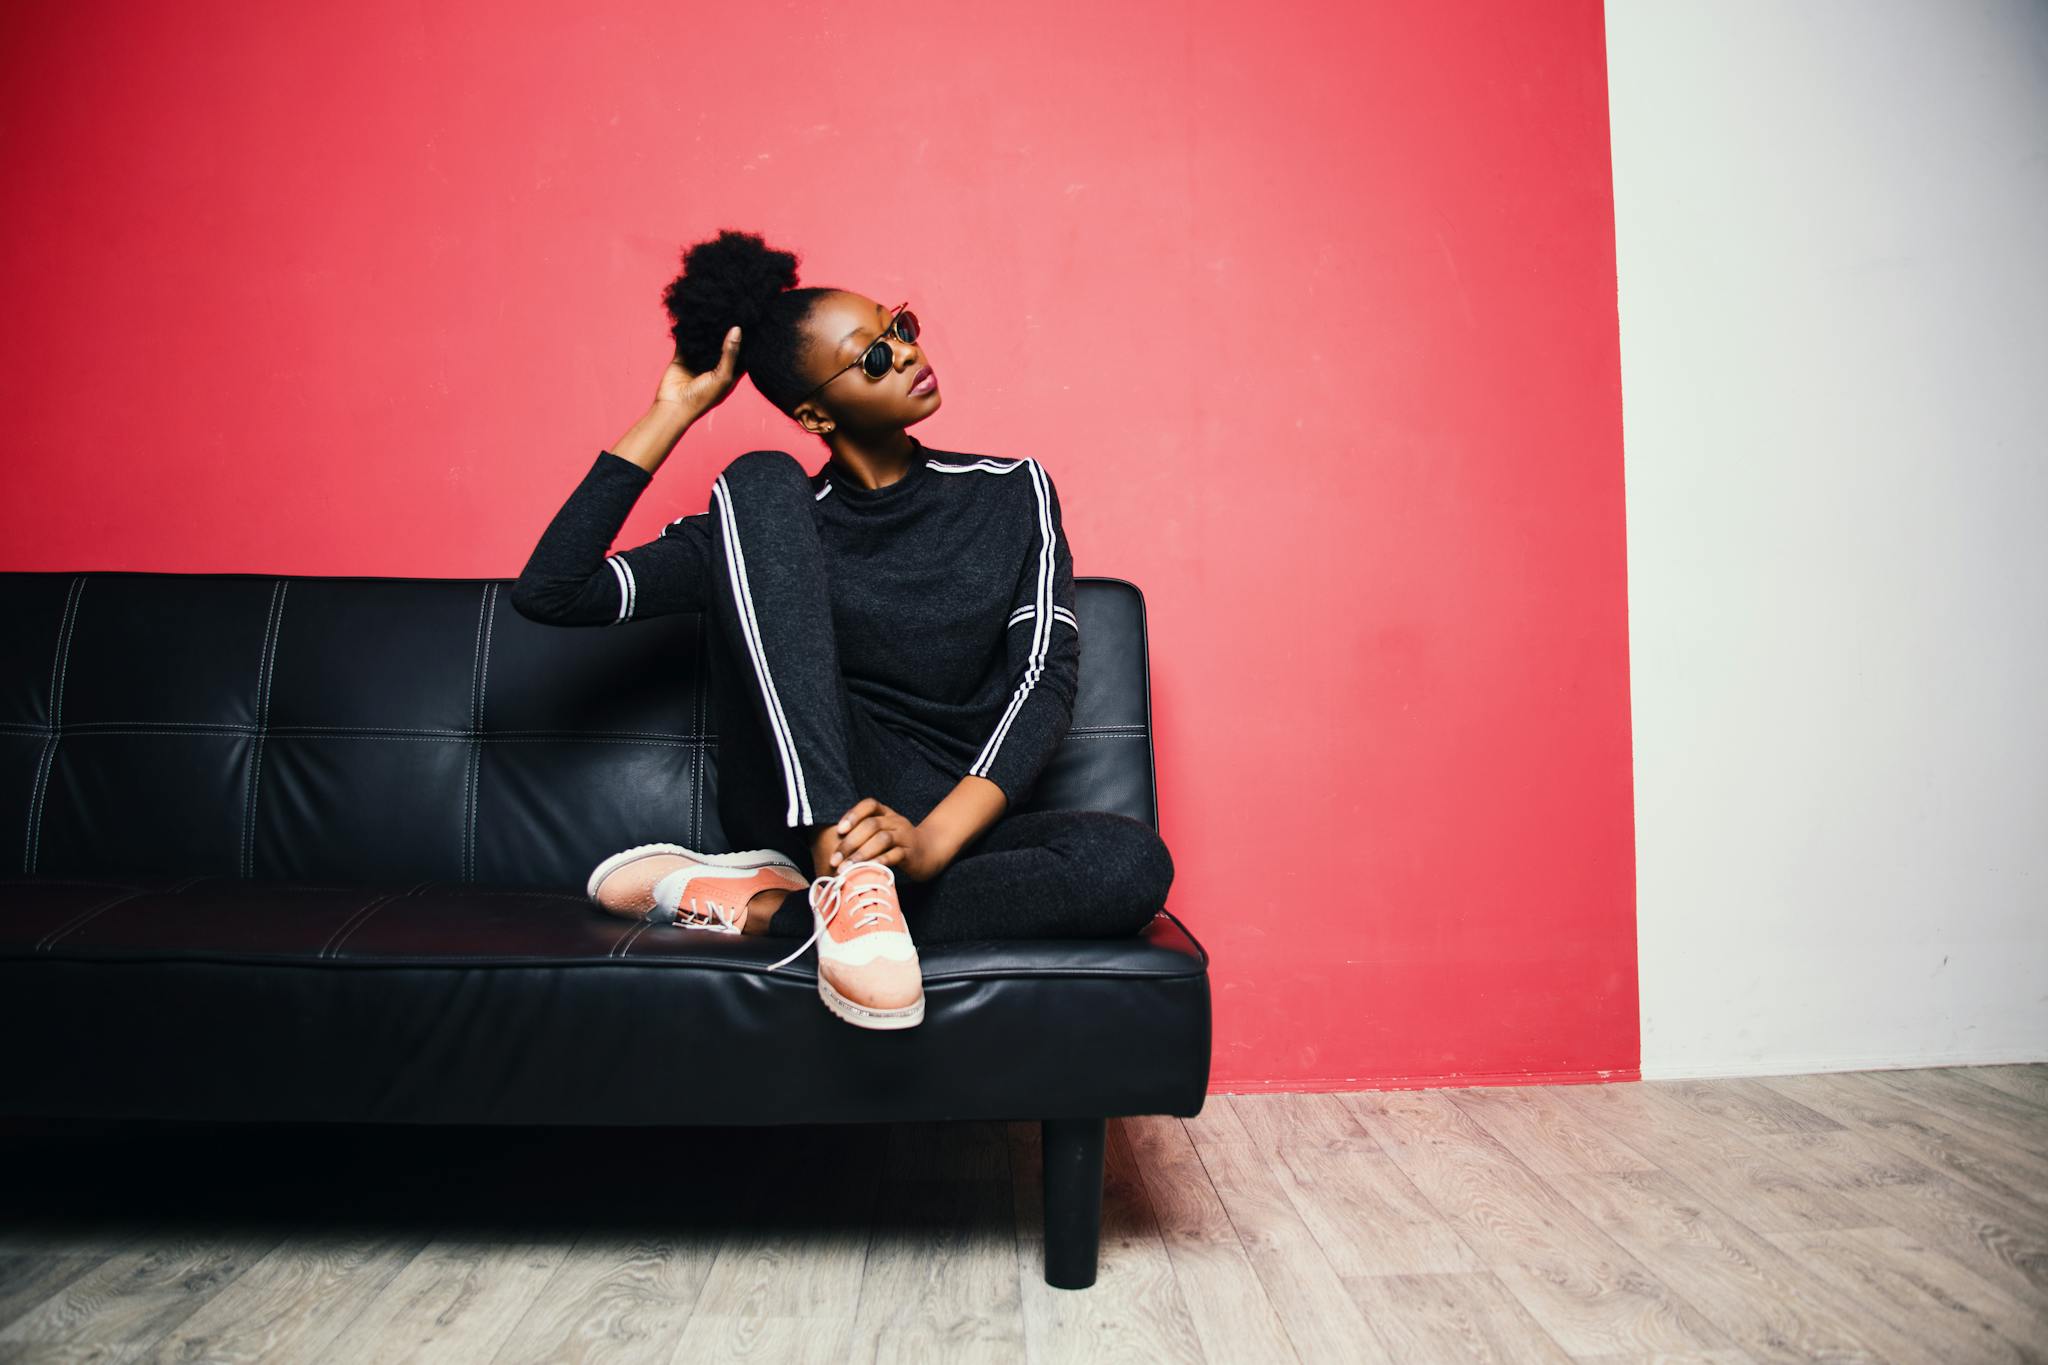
(699, 393)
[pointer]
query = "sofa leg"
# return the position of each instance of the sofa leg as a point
(1073, 1200)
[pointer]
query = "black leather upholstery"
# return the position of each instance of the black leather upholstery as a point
(314, 848)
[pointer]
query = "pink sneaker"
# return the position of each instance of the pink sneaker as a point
(868, 973)
(670, 884)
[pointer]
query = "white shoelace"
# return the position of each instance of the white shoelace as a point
(726, 917)
(868, 901)
(707, 912)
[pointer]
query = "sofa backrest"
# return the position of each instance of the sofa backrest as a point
(359, 730)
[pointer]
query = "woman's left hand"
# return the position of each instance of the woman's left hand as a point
(870, 830)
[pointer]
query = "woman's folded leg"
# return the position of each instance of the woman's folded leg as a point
(1046, 874)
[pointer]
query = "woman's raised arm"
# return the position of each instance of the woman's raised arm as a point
(572, 578)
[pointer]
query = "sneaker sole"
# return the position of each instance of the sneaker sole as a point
(759, 857)
(906, 1016)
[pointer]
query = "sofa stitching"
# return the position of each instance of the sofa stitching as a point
(249, 773)
(31, 840)
(475, 675)
(43, 943)
(482, 692)
(266, 667)
(347, 926)
(368, 911)
(624, 945)
(78, 921)
(269, 684)
(332, 948)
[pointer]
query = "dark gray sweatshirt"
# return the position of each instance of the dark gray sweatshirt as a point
(952, 596)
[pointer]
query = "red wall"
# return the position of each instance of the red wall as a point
(1310, 311)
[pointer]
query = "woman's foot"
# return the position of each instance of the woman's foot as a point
(669, 884)
(868, 972)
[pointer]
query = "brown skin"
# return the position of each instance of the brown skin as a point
(863, 421)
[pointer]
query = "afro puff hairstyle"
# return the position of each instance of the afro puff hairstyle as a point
(737, 280)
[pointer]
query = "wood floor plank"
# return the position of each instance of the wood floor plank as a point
(1916, 1303)
(1746, 1105)
(2027, 1081)
(1545, 1134)
(1453, 1318)
(1367, 1215)
(461, 1298)
(295, 1301)
(940, 1283)
(785, 1280)
(1727, 1357)
(1710, 1157)
(1232, 1317)
(2006, 1244)
(1927, 1133)
(1134, 1311)
(1750, 1289)
(30, 1279)
(1320, 1315)
(1217, 1122)
(1318, 1120)
(646, 1295)
(127, 1300)
(1185, 1203)
(1589, 1294)
(1964, 1100)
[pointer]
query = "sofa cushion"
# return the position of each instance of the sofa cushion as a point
(223, 998)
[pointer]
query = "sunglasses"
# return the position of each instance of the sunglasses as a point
(879, 358)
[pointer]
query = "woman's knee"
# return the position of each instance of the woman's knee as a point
(1142, 868)
(758, 472)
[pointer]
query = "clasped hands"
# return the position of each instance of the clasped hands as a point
(876, 832)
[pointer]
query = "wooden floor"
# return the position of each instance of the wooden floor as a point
(1882, 1215)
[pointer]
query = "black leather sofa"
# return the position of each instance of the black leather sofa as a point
(312, 849)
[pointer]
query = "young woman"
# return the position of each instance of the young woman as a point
(894, 651)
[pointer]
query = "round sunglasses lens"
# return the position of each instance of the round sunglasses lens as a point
(876, 360)
(906, 325)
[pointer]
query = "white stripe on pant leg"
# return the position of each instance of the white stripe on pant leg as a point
(750, 629)
(1041, 626)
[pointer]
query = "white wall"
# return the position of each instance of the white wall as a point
(1832, 232)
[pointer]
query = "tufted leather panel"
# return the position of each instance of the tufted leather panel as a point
(315, 847)
(376, 730)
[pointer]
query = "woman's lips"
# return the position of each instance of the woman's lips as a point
(926, 381)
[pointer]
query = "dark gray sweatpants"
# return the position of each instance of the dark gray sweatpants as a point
(798, 740)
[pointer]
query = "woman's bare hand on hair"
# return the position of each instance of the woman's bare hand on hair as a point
(699, 393)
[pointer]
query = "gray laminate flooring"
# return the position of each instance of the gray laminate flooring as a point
(1877, 1215)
